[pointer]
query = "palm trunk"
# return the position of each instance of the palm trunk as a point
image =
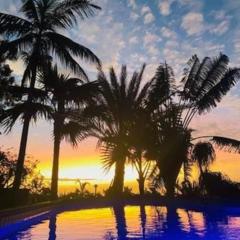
(170, 187)
(171, 178)
(141, 179)
(141, 182)
(58, 123)
(118, 181)
(21, 155)
(24, 137)
(55, 168)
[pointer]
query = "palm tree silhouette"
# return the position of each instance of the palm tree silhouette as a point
(117, 106)
(204, 154)
(34, 37)
(67, 95)
(204, 85)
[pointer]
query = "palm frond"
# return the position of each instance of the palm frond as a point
(162, 85)
(10, 49)
(74, 132)
(29, 9)
(123, 78)
(66, 58)
(138, 82)
(108, 153)
(19, 111)
(216, 93)
(227, 143)
(11, 25)
(217, 68)
(66, 11)
(72, 47)
(114, 83)
(189, 78)
(38, 94)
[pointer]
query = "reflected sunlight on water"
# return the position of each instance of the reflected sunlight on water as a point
(135, 222)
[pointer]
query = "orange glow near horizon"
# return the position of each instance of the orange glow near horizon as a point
(91, 168)
(92, 171)
(84, 162)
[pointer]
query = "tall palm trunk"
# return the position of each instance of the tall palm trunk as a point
(118, 182)
(141, 182)
(58, 123)
(170, 178)
(141, 178)
(55, 168)
(24, 137)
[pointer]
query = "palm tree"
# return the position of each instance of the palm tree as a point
(67, 95)
(117, 104)
(204, 85)
(204, 154)
(36, 36)
(143, 169)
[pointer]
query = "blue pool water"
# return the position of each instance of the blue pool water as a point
(130, 222)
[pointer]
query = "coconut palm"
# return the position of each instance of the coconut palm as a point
(67, 95)
(36, 35)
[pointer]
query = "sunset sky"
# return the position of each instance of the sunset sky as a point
(134, 32)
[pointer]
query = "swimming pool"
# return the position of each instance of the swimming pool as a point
(129, 222)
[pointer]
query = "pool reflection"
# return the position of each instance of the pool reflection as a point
(52, 227)
(136, 222)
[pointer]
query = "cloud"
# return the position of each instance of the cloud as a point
(237, 45)
(195, 5)
(150, 38)
(133, 40)
(168, 33)
(149, 18)
(134, 16)
(218, 15)
(223, 22)
(172, 44)
(145, 9)
(220, 28)
(132, 3)
(153, 50)
(193, 23)
(165, 7)
(147, 13)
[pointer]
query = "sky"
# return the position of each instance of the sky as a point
(134, 32)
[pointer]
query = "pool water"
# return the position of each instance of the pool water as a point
(133, 222)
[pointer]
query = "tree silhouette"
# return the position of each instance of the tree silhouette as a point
(117, 104)
(204, 154)
(36, 36)
(203, 86)
(67, 95)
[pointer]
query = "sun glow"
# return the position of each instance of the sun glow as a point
(88, 172)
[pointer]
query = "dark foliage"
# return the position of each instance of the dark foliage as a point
(216, 184)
